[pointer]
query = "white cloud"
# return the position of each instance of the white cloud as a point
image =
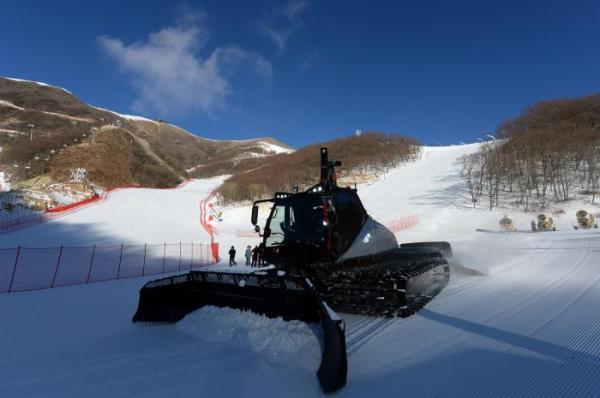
(311, 60)
(283, 22)
(172, 78)
(294, 9)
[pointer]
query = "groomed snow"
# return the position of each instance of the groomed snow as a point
(130, 216)
(528, 326)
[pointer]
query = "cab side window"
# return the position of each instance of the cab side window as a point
(350, 216)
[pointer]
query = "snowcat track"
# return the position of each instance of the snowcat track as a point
(395, 287)
(169, 300)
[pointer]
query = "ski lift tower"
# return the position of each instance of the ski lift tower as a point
(93, 132)
(31, 126)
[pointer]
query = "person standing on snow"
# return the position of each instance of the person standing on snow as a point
(232, 256)
(248, 254)
(255, 256)
(261, 254)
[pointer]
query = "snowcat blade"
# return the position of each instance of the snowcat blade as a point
(169, 300)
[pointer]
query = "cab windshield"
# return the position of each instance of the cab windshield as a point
(297, 219)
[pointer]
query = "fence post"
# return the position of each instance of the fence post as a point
(57, 265)
(164, 256)
(192, 257)
(14, 268)
(179, 267)
(144, 266)
(91, 264)
(120, 258)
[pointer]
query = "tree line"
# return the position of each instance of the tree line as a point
(367, 152)
(547, 154)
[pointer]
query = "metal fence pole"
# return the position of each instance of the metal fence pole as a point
(120, 258)
(91, 264)
(144, 266)
(57, 265)
(192, 257)
(179, 267)
(12, 279)
(164, 256)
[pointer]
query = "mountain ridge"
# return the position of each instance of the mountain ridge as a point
(47, 130)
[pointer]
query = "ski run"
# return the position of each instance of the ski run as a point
(520, 316)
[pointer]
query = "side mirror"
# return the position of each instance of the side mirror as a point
(254, 218)
(257, 229)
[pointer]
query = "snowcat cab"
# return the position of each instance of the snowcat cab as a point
(329, 254)
(325, 223)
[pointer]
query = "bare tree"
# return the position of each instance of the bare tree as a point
(472, 175)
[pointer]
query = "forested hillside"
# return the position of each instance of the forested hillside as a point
(366, 154)
(549, 153)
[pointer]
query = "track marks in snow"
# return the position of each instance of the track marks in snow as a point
(364, 331)
(530, 328)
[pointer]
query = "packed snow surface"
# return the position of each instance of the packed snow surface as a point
(528, 325)
(129, 216)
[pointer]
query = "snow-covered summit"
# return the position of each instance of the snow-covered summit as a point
(38, 83)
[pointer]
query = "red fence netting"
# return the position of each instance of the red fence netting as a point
(403, 223)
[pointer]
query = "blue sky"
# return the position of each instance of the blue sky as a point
(308, 71)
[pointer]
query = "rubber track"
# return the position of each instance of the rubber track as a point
(386, 288)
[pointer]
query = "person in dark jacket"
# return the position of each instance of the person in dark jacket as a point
(248, 254)
(261, 254)
(255, 256)
(232, 256)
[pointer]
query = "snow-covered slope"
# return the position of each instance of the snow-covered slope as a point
(130, 216)
(528, 327)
